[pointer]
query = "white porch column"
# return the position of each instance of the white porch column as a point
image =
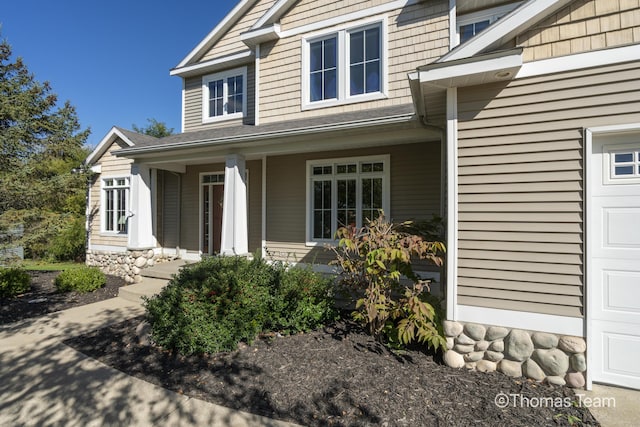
(234, 239)
(141, 208)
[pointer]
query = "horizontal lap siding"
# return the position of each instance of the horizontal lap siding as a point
(521, 182)
(111, 166)
(417, 34)
(415, 194)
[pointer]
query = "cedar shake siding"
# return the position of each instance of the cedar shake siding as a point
(582, 26)
(521, 183)
(416, 34)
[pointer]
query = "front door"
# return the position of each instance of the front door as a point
(212, 198)
(614, 241)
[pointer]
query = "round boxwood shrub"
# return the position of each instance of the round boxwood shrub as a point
(81, 279)
(13, 282)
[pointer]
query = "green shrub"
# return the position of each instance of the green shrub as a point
(213, 305)
(82, 279)
(69, 243)
(13, 282)
(302, 301)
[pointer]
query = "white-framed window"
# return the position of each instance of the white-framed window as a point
(115, 205)
(224, 95)
(625, 164)
(345, 65)
(470, 24)
(345, 192)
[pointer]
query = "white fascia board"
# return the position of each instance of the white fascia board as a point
(455, 75)
(506, 28)
(257, 137)
(254, 37)
(274, 13)
(104, 144)
(561, 325)
(218, 31)
(214, 64)
(595, 58)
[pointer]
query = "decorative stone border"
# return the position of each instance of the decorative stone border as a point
(127, 264)
(541, 356)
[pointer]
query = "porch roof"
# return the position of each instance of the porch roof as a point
(242, 136)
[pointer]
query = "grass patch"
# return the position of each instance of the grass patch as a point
(38, 265)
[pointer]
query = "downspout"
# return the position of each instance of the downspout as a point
(256, 119)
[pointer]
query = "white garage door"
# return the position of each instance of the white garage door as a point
(614, 238)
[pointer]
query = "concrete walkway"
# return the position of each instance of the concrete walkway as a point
(43, 382)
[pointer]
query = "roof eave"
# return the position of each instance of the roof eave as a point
(229, 20)
(258, 137)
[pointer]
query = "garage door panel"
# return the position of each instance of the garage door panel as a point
(619, 346)
(614, 247)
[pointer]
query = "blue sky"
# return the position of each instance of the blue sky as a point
(110, 59)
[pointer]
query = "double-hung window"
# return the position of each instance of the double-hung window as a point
(473, 23)
(115, 192)
(347, 65)
(224, 95)
(345, 192)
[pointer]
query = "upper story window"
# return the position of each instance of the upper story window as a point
(347, 65)
(224, 95)
(115, 199)
(473, 23)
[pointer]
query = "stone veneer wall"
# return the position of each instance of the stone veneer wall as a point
(540, 356)
(126, 264)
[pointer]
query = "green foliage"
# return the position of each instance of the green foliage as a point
(302, 300)
(13, 282)
(154, 128)
(40, 145)
(83, 279)
(374, 259)
(69, 243)
(213, 305)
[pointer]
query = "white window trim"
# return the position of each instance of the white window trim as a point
(492, 15)
(386, 190)
(609, 165)
(343, 96)
(103, 203)
(242, 71)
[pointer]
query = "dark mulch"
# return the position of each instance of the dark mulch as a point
(43, 297)
(337, 376)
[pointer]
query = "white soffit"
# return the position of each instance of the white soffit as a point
(483, 69)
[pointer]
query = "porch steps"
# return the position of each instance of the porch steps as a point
(153, 280)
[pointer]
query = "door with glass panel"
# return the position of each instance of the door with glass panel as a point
(211, 202)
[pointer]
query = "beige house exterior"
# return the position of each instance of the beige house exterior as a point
(518, 122)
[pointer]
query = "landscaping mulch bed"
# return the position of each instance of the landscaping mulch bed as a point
(43, 297)
(337, 376)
